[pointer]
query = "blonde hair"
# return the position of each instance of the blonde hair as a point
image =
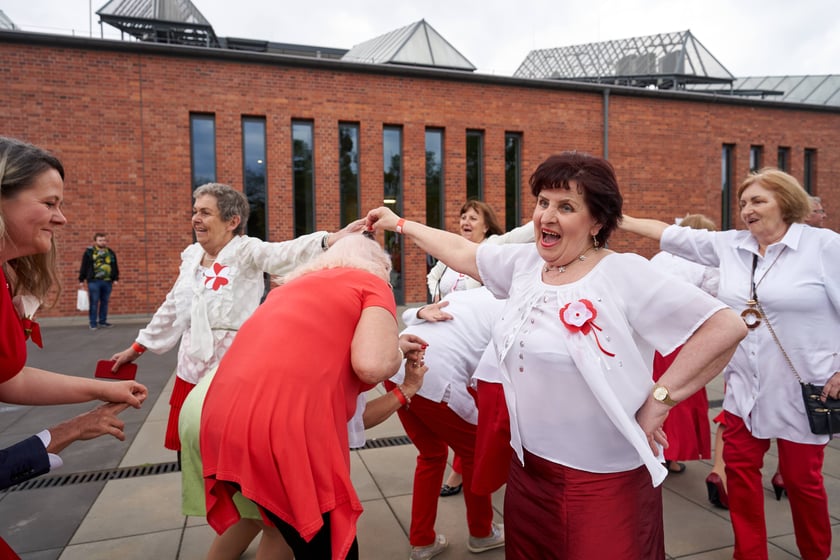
(351, 251)
(20, 165)
(698, 221)
(790, 196)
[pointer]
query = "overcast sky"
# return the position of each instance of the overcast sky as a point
(749, 37)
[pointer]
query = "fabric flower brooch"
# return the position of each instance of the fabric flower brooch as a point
(579, 317)
(26, 306)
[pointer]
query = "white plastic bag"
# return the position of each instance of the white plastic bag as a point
(82, 301)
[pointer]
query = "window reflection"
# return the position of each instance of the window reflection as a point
(303, 177)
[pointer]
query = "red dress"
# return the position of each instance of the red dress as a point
(12, 359)
(275, 418)
(687, 425)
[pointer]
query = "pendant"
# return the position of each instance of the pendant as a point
(751, 316)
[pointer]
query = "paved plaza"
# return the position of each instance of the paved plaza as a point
(122, 500)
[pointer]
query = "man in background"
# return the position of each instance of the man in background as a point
(817, 215)
(99, 269)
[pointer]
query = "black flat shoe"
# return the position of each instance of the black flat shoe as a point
(447, 490)
(674, 467)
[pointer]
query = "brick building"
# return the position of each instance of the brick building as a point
(127, 118)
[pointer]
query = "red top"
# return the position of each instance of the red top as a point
(275, 418)
(12, 339)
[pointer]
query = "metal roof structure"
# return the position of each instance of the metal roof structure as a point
(664, 61)
(160, 21)
(814, 90)
(417, 44)
(6, 23)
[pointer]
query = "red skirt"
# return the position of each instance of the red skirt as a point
(176, 401)
(687, 425)
(6, 552)
(553, 512)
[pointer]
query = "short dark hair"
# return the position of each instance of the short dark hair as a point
(95, 235)
(596, 181)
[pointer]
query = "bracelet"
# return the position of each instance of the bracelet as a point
(404, 401)
(325, 242)
(400, 225)
(137, 347)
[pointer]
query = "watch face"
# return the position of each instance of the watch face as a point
(660, 393)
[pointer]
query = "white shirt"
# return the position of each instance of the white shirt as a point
(704, 277)
(206, 307)
(569, 400)
(797, 285)
(455, 347)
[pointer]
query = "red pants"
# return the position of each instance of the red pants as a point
(554, 512)
(802, 464)
(434, 428)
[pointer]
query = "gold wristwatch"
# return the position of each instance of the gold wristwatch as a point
(660, 393)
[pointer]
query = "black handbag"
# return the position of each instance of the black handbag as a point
(823, 417)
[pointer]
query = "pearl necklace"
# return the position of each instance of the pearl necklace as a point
(562, 268)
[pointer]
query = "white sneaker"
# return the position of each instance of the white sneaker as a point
(495, 540)
(426, 552)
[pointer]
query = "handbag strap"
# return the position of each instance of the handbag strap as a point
(770, 325)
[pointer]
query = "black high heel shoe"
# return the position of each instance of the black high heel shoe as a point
(778, 485)
(717, 492)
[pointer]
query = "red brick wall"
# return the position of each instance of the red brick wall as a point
(119, 119)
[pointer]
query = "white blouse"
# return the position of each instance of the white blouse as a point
(206, 306)
(455, 347)
(572, 393)
(797, 285)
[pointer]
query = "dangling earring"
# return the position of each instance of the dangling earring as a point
(595, 243)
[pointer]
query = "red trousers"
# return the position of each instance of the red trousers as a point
(553, 512)
(434, 428)
(801, 464)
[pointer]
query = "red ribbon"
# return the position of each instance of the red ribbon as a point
(31, 329)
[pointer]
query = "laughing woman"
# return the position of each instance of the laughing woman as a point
(574, 342)
(783, 274)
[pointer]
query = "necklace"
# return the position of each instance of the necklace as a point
(752, 315)
(563, 267)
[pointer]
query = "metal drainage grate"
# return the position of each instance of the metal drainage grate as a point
(386, 442)
(148, 470)
(95, 476)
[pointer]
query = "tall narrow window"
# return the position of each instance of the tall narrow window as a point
(513, 182)
(434, 178)
(392, 183)
(755, 158)
(475, 164)
(254, 175)
(203, 149)
(783, 161)
(726, 174)
(303, 177)
(809, 171)
(348, 171)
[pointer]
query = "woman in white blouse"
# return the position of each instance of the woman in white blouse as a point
(792, 270)
(574, 343)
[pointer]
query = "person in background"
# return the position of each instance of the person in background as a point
(31, 194)
(101, 272)
(782, 274)
(478, 223)
(443, 414)
(816, 216)
(274, 421)
(687, 425)
(575, 343)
